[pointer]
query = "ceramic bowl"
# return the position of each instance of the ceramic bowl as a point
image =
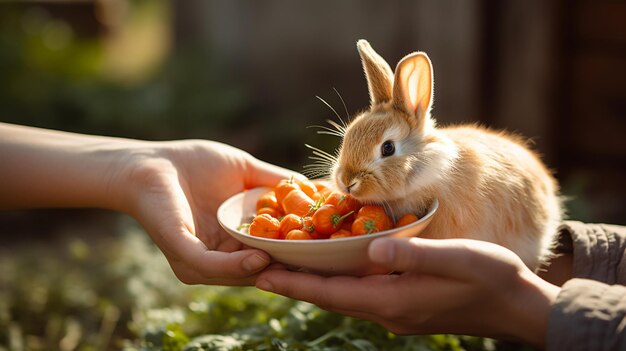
(341, 256)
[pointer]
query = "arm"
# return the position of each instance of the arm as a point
(477, 288)
(44, 168)
(172, 188)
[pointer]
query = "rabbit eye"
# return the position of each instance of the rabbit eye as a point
(387, 149)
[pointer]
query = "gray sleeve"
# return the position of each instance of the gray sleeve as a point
(588, 315)
(598, 250)
(590, 310)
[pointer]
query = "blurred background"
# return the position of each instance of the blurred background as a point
(248, 72)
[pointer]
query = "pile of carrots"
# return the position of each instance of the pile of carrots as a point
(307, 210)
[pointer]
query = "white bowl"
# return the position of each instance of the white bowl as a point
(341, 256)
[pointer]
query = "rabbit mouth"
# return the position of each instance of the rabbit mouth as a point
(369, 191)
(354, 188)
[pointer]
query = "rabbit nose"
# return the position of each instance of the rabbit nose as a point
(353, 186)
(344, 184)
(347, 181)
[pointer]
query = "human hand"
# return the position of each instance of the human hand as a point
(447, 286)
(174, 189)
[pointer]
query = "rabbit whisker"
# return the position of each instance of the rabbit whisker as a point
(318, 171)
(312, 174)
(327, 130)
(316, 166)
(344, 107)
(321, 153)
(339, 128)
(321, 161)
(388, 209)
(329, 106)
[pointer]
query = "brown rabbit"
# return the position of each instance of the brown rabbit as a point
(490, 186)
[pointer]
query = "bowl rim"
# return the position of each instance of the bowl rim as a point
(431, 212)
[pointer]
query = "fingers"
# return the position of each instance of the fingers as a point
(461, 259)
(192, 255)
(191, 277)
(451, 258)
(217, 264)
(350, 295)
(261, 173)
(167, 215)
(383, 299)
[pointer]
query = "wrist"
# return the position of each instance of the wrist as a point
(530, 309)
(131, 167)
(558, 269)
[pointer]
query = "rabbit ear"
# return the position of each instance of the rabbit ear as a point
(377, 72)
(413, 86)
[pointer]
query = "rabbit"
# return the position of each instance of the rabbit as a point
(489, 184)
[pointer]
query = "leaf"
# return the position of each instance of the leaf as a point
(174, 340)
(214, 343)
(363, 345)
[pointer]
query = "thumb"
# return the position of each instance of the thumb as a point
(261, 173)
(450, 258)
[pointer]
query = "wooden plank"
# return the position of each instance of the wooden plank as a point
(598, 121)
(602, 23)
